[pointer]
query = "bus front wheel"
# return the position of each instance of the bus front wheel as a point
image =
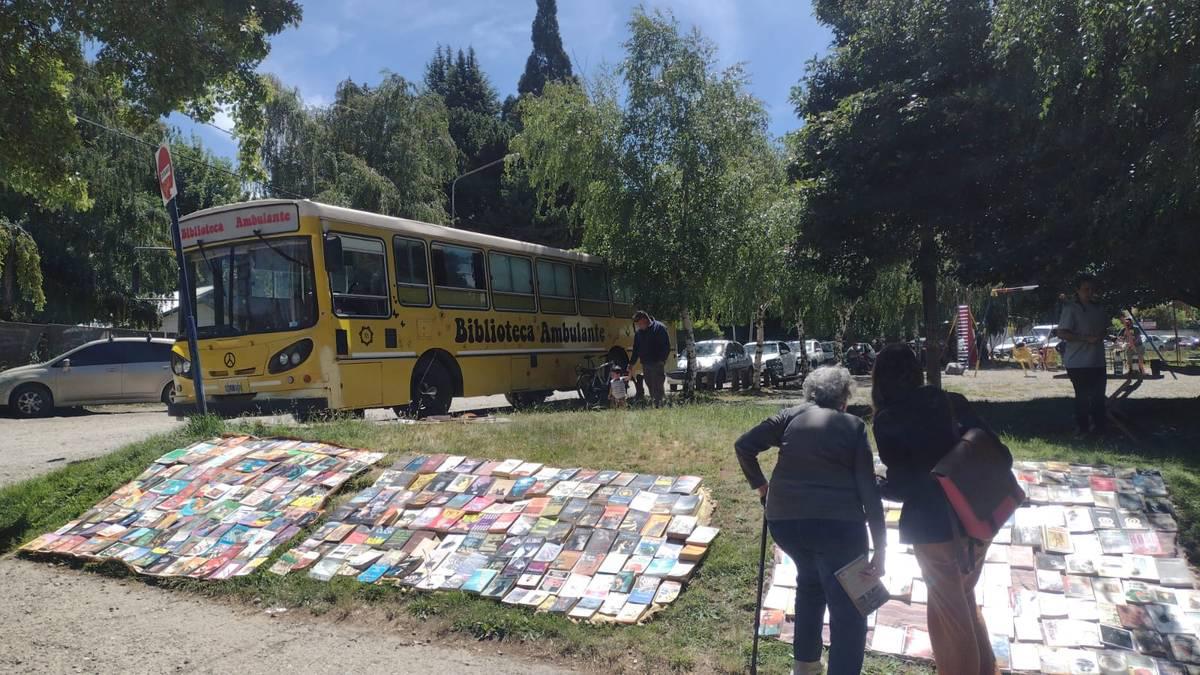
(432, 390)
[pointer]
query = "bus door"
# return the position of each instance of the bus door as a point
(363, 307)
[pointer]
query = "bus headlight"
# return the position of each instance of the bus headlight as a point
(290, 356)
(180, 366)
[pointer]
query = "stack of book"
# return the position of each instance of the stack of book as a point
(214, 510)
(1086, 577)
(595, 545)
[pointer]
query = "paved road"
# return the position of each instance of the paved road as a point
(58, 620)
(32, 447)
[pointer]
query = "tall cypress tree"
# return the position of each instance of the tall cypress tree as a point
(548, 61)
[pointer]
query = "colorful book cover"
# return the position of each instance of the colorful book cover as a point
(589, 564)
(601, 541)
(585, 609)
(663, 503)
(686, 485)
(659, 567)
(499, 586)
(519, 489)
(592, 513)
(622, 582)
(634, 521)
(637, 564)
(656, 525)
(612, 517)
(644, 590)
(566, 560)
(644, 501)
(631, 612)
(623, 479)
(576, 586)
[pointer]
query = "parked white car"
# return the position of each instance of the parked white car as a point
(120, 370)
(779, 361)
(812, 349)
(717, 362)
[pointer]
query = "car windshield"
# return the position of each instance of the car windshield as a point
(253, 287)
(769, 348)
(710, 348)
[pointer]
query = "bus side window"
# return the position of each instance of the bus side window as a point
(622, 299)
(360, 287)
(593, 291)
(512, 282)
(459, 277)
(412, 272)
(555, 290)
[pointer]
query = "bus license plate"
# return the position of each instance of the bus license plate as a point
(235, 387)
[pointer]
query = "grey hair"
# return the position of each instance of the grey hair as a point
(828, 387)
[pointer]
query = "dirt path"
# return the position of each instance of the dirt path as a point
(59, 620)
(32, 447)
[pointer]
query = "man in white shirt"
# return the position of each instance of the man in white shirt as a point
(1082, 326)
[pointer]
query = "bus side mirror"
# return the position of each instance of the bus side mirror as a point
(333, 254)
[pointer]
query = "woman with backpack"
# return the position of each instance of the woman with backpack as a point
(915, 426)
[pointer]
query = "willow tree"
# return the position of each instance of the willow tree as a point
(657, 173)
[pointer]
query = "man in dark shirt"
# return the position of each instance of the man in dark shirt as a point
(651, 344)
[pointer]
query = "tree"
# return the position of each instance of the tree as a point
(84, 262)
(658, 178)
(188, 55)
(21, 292)
(751, 279)
(548, 61)
(1108, 99)
(385, 149)
(481, 137)
(901, 139)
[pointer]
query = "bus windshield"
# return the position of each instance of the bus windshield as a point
(253, 287)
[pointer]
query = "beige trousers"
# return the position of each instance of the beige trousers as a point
(960, 641)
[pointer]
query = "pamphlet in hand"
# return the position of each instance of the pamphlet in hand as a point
(865, 590)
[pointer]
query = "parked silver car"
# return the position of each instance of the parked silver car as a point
(717, 362)
(120, 370)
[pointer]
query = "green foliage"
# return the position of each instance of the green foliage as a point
(193, 55)
(1105, 171)
(385, 149)
(548, 61)
(658, 181)
(92, 269)
(21, 293)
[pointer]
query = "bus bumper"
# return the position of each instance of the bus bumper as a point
(237, 406)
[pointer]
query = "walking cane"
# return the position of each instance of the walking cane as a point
(762, 563)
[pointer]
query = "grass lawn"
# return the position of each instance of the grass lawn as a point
(708, 628)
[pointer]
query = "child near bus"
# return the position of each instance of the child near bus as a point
(618, 387)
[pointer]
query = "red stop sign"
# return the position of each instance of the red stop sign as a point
(166, 174)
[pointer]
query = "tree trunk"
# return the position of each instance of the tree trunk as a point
(842, 324)
(927, 271)
(805, 366)
(758, 360)
(689, 336)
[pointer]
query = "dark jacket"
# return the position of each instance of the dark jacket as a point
(652, 345)
(825, 469)
(912, 437)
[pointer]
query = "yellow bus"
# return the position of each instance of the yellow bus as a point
(304, 307)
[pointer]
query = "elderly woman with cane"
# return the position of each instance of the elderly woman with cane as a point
(820, 502)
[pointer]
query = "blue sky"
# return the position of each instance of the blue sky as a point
(360, 39)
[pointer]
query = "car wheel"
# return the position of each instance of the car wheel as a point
(31, 400)
(719, 381)
(168, 394)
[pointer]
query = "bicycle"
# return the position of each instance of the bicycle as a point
(592, 382)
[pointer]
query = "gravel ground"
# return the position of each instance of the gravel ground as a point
(36, 446)
(59, 620)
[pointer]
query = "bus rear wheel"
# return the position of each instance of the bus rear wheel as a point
(432, 390)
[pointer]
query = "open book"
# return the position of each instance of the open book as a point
(866, 591)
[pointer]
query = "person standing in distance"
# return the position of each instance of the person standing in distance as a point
(1082, 327)
(651, 344)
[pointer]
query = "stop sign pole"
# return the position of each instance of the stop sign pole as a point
(169, 190)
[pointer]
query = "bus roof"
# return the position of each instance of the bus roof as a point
(403, 226)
